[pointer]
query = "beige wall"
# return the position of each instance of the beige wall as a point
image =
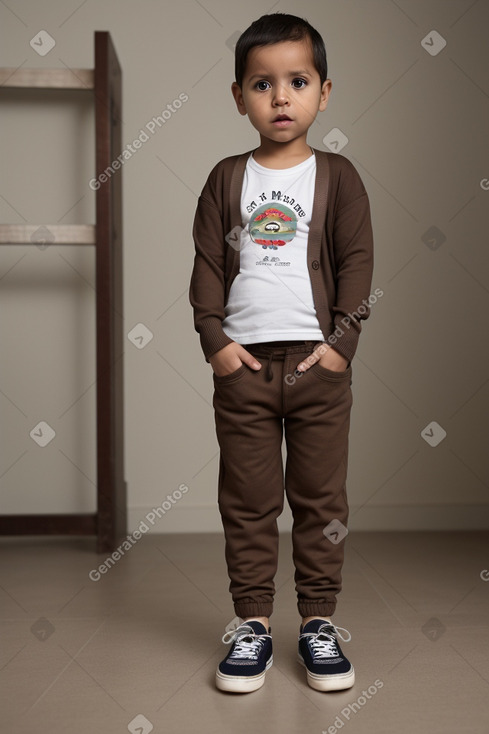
(417, 128)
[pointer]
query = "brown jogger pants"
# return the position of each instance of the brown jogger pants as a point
(253, 410)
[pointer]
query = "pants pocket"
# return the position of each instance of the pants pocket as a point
(323, 373)
(232, 376)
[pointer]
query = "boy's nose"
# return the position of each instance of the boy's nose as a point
(280, 97)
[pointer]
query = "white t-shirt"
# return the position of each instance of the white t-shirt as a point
(271, 297)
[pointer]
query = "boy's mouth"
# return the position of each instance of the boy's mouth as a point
(282, 121)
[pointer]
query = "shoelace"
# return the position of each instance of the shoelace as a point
(245, 648)
(323, 643)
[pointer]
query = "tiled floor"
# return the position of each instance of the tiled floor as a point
(138, 648)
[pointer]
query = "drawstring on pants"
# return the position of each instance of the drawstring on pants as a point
(269, 367)
(273, 350)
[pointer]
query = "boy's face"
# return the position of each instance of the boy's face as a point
(281, 81)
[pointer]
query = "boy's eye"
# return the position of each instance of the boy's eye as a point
(263, 85)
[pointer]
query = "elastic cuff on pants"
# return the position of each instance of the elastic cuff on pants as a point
(253, 609)
(311, 608)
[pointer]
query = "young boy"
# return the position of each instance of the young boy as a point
(280, 284)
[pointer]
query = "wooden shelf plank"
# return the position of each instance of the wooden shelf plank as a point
(47, 234)
(47, 78)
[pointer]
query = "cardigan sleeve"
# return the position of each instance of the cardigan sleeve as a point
(353, 256)
(207, 283)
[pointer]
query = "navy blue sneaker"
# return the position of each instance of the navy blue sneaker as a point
(243, 670)
(327, 668)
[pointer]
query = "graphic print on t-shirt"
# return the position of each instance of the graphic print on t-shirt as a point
(273, 226)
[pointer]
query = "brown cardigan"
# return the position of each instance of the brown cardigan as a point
(339, 251)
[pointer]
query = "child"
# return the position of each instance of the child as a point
(280, 285)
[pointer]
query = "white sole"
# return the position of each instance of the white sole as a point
(241, 684)
(329, 682)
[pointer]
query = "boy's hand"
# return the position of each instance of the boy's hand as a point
(327, 357)
(230, 358)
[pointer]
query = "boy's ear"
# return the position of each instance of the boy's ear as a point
(325, 92)
(238, 98)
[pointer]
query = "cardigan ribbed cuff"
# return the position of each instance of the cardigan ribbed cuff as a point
(344, 337)
(212, 336)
